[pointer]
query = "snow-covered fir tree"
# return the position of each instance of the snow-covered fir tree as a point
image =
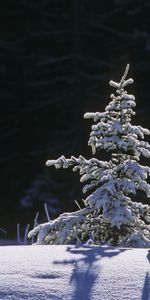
(110, 215)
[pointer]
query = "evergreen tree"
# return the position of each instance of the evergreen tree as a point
(110, 216)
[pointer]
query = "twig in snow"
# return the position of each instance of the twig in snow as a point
(77, 204)
(34, 225)
(26, 234)
(18, 233)
(47, 213)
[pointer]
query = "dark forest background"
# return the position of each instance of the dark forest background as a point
(56, 59)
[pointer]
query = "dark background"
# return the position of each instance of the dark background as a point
(56, 59)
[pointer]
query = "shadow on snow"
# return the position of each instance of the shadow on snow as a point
(85, 269)
(146, 288)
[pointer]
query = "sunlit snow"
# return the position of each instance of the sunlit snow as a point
(69, 272)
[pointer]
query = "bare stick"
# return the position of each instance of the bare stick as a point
(77, 204)
(3, 230)
(26, 234)
(18, 234)
(35, 220)
(34, 225)
(47, 213)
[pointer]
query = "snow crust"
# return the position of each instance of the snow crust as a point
(74, 273)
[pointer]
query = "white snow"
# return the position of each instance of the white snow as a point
(74, 273)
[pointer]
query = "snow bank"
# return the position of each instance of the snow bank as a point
(69, 272)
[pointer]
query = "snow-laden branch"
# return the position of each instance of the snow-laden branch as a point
(60, 230)
(93, 169)
(96, 116)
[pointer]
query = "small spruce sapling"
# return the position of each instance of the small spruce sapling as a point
(110, 216)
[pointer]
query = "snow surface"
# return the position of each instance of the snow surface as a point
(69, 272)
